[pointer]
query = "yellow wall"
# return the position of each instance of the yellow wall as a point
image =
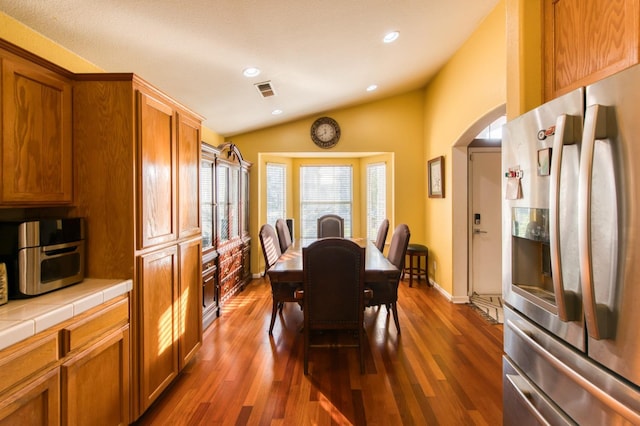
(392, 125)
(471, 84)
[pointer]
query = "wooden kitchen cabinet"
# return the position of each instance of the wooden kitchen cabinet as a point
(95, 383)
(137, 156)
(74, 373)
(30, 381)
(158, 296)
(171, 301)
(585, 41)
(189, 130)
(37, 156)
(95, 374)
(190, 299)
(156, 193)
(35, 403)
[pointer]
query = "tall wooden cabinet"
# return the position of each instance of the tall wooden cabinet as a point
(36, 139)
(585, 41)
(137, 157)
(225, 224)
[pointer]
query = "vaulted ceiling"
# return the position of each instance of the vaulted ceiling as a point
(317, 55)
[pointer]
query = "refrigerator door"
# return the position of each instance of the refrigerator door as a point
(610, 217)
(582, 389)
(539, 230)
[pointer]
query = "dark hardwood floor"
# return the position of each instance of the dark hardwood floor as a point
(444, 369)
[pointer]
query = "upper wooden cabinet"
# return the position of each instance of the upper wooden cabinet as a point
(157, 171)
(36, 135)
(188, 188)
(585, 41)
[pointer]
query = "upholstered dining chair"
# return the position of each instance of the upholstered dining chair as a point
(386, 292)
(283, 235)
(330, 225)
(281, 292)
(381, 238)
(333, 291)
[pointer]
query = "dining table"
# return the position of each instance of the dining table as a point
(289, 266)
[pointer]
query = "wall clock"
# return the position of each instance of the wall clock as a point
(325, 132)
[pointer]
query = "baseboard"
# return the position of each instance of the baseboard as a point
(450, 298)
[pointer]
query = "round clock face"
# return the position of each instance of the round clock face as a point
(325, 132)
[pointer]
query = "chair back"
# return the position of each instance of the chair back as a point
(333, 284)
(383, 230)
(284, 237)
(398, 246)
(330, 225)
(270, 245)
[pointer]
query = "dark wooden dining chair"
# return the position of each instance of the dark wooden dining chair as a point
(330, 225)
(281, 292)
(283, 235)
(333, 291)
(386, 292)
(381, 238)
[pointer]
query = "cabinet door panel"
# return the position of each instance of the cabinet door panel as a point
(587, 41)
(157, 323)
(157, 172)
(37, 403)
(188, 178)
(190, 316)
(36, 136)
(95, 383)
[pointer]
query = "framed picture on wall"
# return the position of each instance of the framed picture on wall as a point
(435, 169)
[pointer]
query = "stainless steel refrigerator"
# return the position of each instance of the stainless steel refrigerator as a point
(571, 258)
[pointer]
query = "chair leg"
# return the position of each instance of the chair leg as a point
(395, 316)
(280, 306)
(273, 316)
(306, 352)
(361, 349)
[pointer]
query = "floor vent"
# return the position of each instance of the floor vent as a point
(265, 89)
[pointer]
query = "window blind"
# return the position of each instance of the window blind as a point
(325, 190)
(376, 197)
(276, 194)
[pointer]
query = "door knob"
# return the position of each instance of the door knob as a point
(479, 231)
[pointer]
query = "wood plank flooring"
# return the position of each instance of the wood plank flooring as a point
(444, 369)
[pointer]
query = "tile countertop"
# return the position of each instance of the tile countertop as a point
(23, 318)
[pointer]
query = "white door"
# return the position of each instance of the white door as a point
(485, 270)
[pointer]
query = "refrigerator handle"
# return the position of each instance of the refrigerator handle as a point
(594, 128)
(564, 136)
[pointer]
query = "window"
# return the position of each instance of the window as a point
(324, 190)
(376, 197)
(276, 195)
(493, 130)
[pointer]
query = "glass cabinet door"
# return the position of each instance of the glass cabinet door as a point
(223, 202)
(234, 214)
(206, 203)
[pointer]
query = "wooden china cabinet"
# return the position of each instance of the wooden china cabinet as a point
(226, 243)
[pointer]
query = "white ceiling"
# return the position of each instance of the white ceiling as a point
(318, 54)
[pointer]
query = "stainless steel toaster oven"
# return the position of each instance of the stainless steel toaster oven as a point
(42, 255)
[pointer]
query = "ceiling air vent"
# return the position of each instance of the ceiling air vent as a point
(265, 89)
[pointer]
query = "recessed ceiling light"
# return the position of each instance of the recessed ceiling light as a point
(372, 87)
(276, 112)
(391, 37)
(251, 72)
